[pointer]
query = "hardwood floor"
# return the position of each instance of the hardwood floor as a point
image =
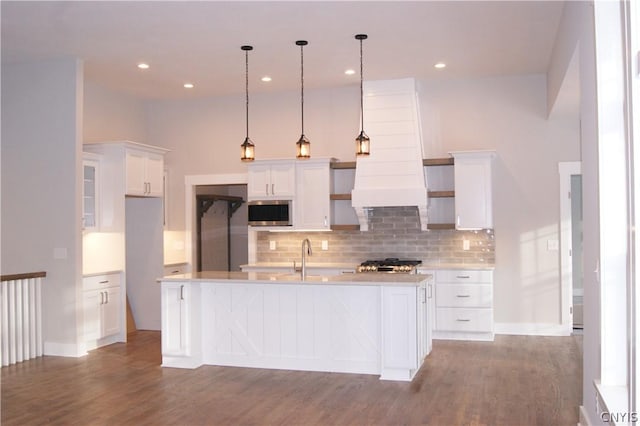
(516, 380)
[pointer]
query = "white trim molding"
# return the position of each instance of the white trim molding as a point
(566, 170)
(530, 329)
(74, 350)
(190, 182)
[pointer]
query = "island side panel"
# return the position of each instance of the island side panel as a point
(400, 340)
(301, 327)
(180, 320)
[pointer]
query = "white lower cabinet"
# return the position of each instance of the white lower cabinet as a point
(360, 329)
(464, 305)
(177, 319)
(404, 308)
(103, 310)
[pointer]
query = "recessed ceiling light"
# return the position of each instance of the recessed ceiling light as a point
(143, 66)
(350, 72)
(440, 65)
(266, 78)
(188, 86)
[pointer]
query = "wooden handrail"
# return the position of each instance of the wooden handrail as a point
(24, 276)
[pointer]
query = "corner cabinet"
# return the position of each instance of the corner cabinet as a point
(473, 189)
(144, 169)
(134, 168)
(271, 180)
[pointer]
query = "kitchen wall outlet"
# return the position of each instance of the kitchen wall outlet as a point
(272, 245)
(466, 244)
(325, 245)
(553, 245)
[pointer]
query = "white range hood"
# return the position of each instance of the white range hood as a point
(393, 174)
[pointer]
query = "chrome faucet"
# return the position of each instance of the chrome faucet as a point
(303, 269)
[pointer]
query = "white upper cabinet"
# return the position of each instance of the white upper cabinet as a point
(135, 168)
(144, 173)
(313, 184)
(91, 192)
(271, 179)
(473, 189)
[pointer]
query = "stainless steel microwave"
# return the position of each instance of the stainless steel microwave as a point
(270, 213)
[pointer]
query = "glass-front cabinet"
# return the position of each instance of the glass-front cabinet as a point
(90, 192)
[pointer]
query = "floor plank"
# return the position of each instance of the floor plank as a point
(516, 380)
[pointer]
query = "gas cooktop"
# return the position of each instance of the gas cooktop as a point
(390, 264)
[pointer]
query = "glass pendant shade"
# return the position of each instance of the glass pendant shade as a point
(303, 148)
(248, 150)
(362, 144)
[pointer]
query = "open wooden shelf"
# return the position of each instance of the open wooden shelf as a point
(343, 165)
(340, 197)
(345, 227)
(441, 226)
(425, 162)
(438, 161)
(441, 194)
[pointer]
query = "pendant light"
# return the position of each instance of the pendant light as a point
(362, 141)
(303, 146)
(248, 148)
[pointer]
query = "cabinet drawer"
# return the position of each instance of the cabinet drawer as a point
(462, 319)
(94, 282)
(464, 276)
(464, 295)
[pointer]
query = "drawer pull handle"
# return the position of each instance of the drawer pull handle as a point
(176, 271)
(463, 320)
(463, 276)
(463, 295)
(104, 282)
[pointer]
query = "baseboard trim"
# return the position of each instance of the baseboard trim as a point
(584, 418)
(72, 350)
(530, 329)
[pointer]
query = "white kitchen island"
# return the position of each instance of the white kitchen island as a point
(350, 323)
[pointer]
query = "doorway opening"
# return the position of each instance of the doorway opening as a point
(221, 227)
(571, 270)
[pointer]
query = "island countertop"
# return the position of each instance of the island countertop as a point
(368, 279)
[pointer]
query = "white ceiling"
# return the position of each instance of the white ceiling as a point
(200, 41)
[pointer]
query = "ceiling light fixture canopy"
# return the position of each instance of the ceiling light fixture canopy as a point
(248, 148)
(303, 146)
(363, 146)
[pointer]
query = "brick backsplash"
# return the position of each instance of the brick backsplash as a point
(393, 232)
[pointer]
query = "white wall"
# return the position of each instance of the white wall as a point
(41, 183)
(110, 115)
(508, 114)
(576, 35)
(204, 135)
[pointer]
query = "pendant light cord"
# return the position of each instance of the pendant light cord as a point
(302, 85)
(361, 92)
(247, 87)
